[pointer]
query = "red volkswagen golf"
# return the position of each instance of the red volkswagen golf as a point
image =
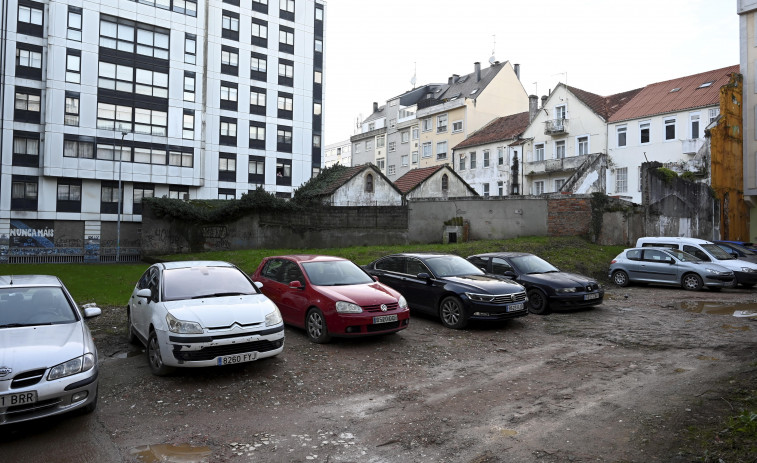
(331, 296)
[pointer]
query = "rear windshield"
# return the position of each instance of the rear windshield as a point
(200, 282)
(35, 306)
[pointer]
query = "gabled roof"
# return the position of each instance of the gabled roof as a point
(501, 128)
(604, 106)
(415, 177)
(348, 174)
(688, 92)
(467, 86)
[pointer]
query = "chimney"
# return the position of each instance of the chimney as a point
(543, 100)
(533, 107)
(516, 68)
(477, 69)
(453, 79)
(375, 107)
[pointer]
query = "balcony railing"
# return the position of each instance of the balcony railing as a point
(568, 164)
(556, 126)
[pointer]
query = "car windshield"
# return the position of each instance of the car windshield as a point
(683, 256)
(717, 252)
(451, 266)
(335, 273)
(32, 306)
(532, 264)
(741, 249)
(200, 282)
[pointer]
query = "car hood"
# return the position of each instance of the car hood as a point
(485, 283)
(366, 294)
(222, 311)
(32, 347)
(558, 279)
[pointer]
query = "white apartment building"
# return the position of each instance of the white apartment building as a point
(747, 10)
(196, 99)
(338, 153)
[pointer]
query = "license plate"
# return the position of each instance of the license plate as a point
(384, 319)
(22, 398)
(588, 297)
(237, 358)
(516, 307)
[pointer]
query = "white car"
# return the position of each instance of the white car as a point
(202, 314)
(48, 361)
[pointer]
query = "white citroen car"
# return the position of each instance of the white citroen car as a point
(201, 314)
(48, 362)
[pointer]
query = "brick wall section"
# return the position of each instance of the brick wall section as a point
(569, 216)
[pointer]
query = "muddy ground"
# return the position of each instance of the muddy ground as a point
(617, 383)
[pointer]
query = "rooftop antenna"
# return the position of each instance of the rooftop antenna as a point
(415, 73)
(492, 59)
(536, 88)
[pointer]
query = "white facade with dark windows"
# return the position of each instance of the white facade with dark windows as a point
(151, 98)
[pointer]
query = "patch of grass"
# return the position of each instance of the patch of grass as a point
(111, 284)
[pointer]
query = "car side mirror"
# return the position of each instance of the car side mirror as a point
(375, 278)
(295, 284)
(423, 276)
(671, 261)
(145, 293)
(735, 254)
(258, 284)
(509, 274)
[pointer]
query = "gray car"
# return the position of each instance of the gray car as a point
(670, 267)
(48, 361)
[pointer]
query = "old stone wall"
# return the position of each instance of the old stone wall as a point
(569, 216)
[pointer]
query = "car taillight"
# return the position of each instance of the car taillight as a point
(613, 261)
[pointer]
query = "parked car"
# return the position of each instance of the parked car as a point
(450, 287)
(545, 284)
(746, 244)
(707, 251)
(670, 267)
(201, 314)
(331, 296)
(48, 361)
(738, 251)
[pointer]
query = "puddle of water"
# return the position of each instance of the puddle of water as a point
(129, 354)
(717, 308)
(180, 453)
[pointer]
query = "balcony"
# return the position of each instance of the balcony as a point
(569, 164)
(691, 146)
(556, 127)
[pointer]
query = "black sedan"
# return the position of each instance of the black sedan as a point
(450, 287)
(546, 285)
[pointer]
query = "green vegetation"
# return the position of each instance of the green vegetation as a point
(665, 174)
(111, 285)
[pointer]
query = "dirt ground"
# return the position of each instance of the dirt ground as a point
(617, 383)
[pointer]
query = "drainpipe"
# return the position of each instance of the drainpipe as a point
(4, 41)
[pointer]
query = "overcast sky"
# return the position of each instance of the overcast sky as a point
(602, 46)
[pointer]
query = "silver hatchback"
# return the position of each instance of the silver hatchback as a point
(48, 361)
(670, 267)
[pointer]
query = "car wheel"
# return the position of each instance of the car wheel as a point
(691, 282)
(131, 338)
(154, 358)
(90, 407)
(452, 313)
(538, 303)
(620, 278)
(315, 325)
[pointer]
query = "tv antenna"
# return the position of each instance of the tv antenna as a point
(492, 59)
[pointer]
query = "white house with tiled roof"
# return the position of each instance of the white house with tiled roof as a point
(664, 122)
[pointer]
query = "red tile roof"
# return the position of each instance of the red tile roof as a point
(605, 106)
(344, 178)
(662, 97)
(415, 177)
(501, 128)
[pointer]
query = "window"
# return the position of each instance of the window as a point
(405, 137)
(368, 145)
(74, 24)
(83, 149)
(286, 39)
(426, 150)
(392, 123)
(415, 157)
(130, 37)
(560, 149)
(189, 86)
(390, 170)
(71, 110)
(29, 61)
(371, 126)
(392, 146)
(317, 143)
(583, 145)
(190, 49)
(27, 105)
(441, 123)
(24, 193)
(257, 100)
(694, 124)
(25, 149)
(317, 77)
(181, 158)
(229, 60)
(258, 66)
(461, 165)
(284, 139)
(286, 72)
(369, 183)
(473, 160)
(356, 149)
(426, 124)
(229, 95)
(445, 183)
(69, 195)
(318, 46)
(286, 9)
(188, 125)
(226, 193)
(416, 135)
(539, 187)
(230, 25)
(441, 150)
(559, 183)
(500, 157)
(380, 141)
(670, 128)
(539, 152)
(259, 32)
(713, 113)
(150, 122)
(178, 192)
(228, 131)
(115, 77)
(284, 105)
(227, 167)
(109, 197)
(187, 7)
(105, 151)
(457, 126)
(486, 158)
(142, 191)
(644, 132)
(150, 156)
(380, 163)
(486, 190)
(404, 160)
(560, 112)
(151, 83)
(256, 169)
(500, 188)
(260, 5)
(318, 13)
(283, 172)
(621, 132)
(30, 19)
(621, 180)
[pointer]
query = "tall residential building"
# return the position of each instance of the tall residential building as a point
(199, 99)
(338, 153)
(747, 10)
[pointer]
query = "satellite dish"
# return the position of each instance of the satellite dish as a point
(492, 60)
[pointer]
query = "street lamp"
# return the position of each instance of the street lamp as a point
(118, 223)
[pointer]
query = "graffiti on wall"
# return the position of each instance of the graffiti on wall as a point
(32, 234)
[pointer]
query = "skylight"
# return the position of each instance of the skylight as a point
(706, 84)
(675, 89)
(473, 92)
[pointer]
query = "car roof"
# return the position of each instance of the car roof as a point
(421, 254)
(503, 254)
(194, 263)
(308, 258)
(9, 281)
(672, 239)
(658, 248)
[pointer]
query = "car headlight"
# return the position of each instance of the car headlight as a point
(481, 297)
(747, 269)
(72, 367)
(348, 307)
(273, 318)
(402, 302)
(181, 326)
(566, 290)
